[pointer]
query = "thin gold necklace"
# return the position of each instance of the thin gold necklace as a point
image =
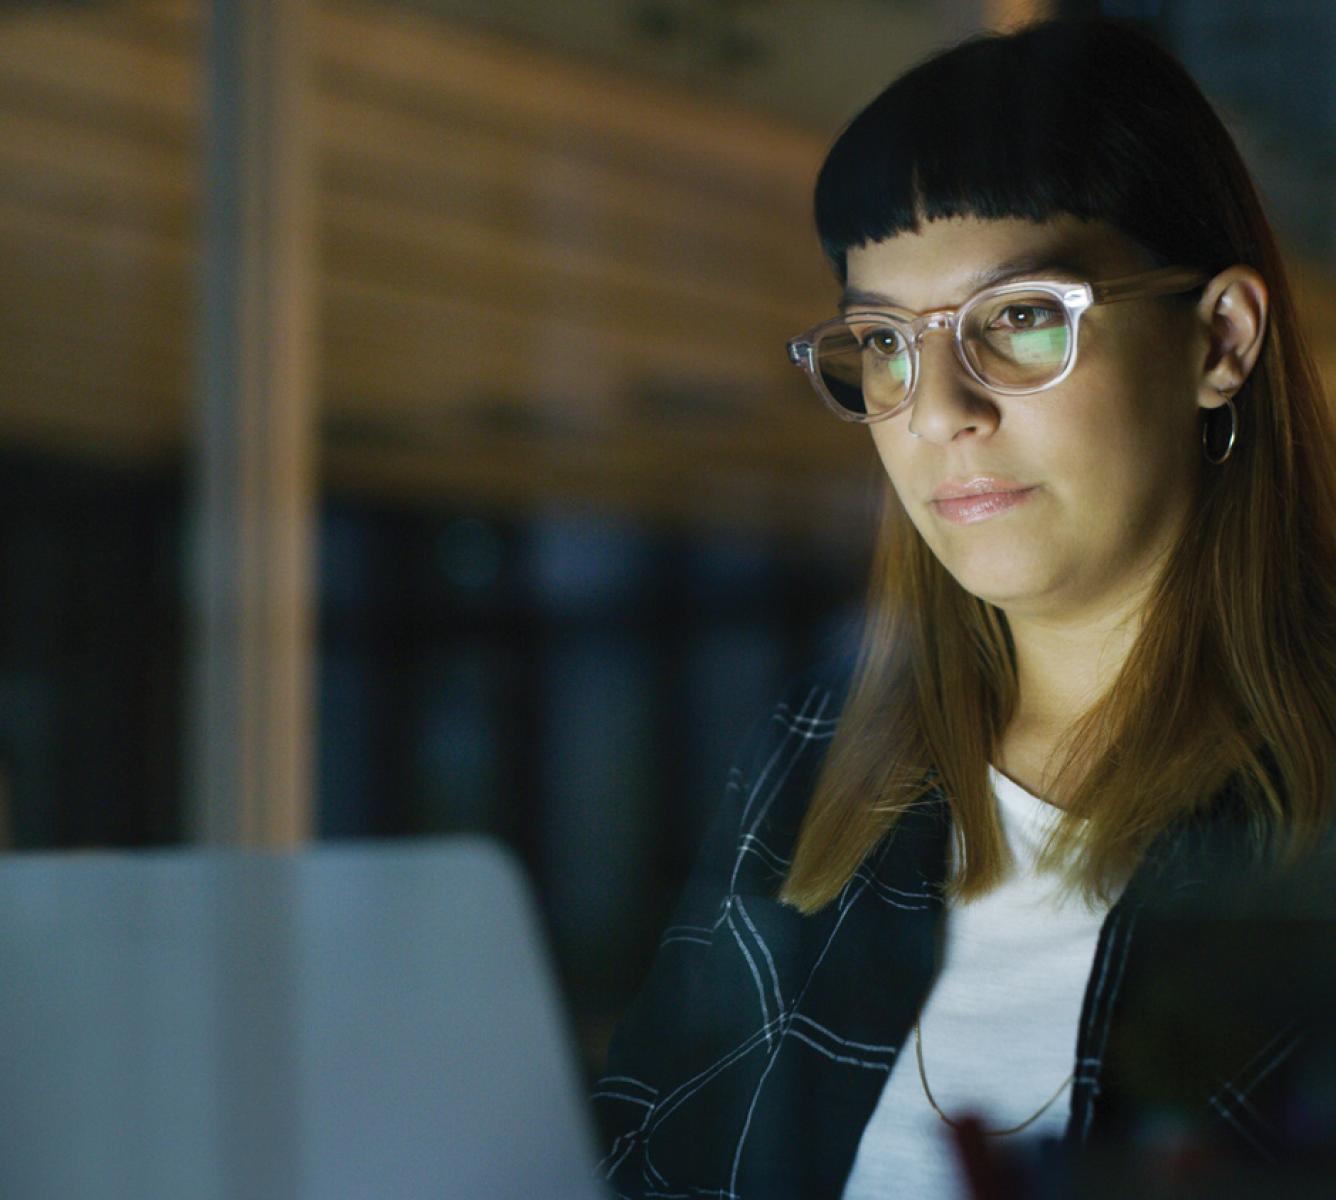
(927, 1091)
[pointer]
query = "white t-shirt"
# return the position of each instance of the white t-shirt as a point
(999, 1026)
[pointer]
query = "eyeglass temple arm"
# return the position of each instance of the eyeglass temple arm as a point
(1163, 281)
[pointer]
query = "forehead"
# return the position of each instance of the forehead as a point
(945, 261)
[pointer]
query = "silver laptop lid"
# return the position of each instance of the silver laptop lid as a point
(352, 1021)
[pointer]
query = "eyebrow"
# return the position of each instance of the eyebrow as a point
(1045, 266)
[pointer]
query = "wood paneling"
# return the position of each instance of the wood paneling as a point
(511, 246)
(522, 260)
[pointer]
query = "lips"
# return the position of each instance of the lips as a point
(963, 502)
(979, 485)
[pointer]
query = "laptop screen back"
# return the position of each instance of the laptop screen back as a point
(352, 1021)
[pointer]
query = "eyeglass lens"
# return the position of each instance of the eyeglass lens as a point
(1013, 341)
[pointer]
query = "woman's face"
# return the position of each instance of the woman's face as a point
(1095, 475)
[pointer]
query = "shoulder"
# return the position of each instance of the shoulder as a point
(796, 732)
(771, 784)
(697, 1094)
(1228, 858)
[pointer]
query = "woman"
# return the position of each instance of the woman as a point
(1098, 675)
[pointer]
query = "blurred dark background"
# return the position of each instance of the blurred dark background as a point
(570, 518)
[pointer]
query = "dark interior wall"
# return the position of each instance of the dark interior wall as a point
(90, 654)
(573, 684)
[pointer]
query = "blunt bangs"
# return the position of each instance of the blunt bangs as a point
(1079, 117)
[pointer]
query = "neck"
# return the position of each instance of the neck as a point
(1063, 667)
(1064, 670)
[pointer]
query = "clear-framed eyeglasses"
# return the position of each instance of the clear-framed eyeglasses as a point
(1014, 338)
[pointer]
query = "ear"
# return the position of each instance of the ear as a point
(1233, 314)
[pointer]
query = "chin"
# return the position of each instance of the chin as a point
(1019, 569)
(1002, 584)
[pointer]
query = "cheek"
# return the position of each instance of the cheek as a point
(911, 478)
(1119, 464)
(895, 449)
(1141, 398)
(1139, 431)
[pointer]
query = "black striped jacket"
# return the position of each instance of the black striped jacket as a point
(756, 1052)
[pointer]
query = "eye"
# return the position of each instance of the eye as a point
(883, 341)
(1027, 316)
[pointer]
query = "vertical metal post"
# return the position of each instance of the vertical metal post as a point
(251, 562)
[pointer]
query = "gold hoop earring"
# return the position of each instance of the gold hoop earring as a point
(1215, 460)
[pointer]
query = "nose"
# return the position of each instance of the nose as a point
(947, 403)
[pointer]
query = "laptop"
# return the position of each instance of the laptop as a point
(350, 1021)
